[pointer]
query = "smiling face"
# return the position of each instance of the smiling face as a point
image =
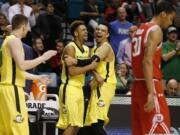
(81, 33)
(101, 33)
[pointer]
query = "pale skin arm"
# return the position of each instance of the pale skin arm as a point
(42, 78)
(73, 70)
(154, 38)
(15, 45)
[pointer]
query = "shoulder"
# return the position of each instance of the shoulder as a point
(13, 7)
(14, 41)
(69, 47)
(28, 7)
(129, 24)
(113, 22)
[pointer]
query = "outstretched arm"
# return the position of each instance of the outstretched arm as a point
(15, 46)
(42, 78)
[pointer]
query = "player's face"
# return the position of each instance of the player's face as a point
(25, 29)
(101, 33)
(82, 33)
(168, 19)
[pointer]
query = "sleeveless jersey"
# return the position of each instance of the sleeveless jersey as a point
(77, 80)
(106, 69)
(138, 47)
(10, 72)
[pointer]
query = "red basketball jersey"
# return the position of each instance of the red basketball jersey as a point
(138, 46)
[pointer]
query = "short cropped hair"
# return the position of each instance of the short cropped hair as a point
(105, 24)
(19, 20)
(164, 6)
(74, 25)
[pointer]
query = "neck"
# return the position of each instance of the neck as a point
(100, 43)
(172, 41)
(17, 33)
(156, 20)
(122, 21)
(78, 43)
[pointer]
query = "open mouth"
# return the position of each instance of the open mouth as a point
(99, 36)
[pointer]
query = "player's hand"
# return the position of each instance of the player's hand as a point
(94, 64)
(70, 60)
(47, 55)
(149, 106)
(98, 78)
(44, 79)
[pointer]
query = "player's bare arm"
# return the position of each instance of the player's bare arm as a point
(98, 78)
(14, 47)
(74, 70)
(154, 39)
(42, 78)
(103, 52)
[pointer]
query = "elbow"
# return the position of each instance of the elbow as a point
(71, 72)
(146, 63)
(22, 67)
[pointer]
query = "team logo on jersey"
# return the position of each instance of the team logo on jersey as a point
(19, 118)
(101, 103)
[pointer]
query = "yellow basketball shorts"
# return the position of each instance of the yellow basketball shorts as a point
(99, 106)
(72, 112)
(9, 124)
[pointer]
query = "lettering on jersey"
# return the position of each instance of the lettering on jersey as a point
(123, 31)
(35, 105)
(139, 31)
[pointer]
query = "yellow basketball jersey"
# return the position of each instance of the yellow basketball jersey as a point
(10, 73)
(106, 69)
(77, 80)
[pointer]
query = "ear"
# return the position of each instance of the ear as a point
(76, 34)
(107, 35)
(163, 14)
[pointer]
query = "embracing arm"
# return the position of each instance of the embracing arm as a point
(72, 69)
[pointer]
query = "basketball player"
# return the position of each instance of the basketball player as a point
(13, 112)
(150, 113)
(71, 92)
(103, 85)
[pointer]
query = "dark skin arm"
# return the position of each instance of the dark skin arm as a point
(72, 69)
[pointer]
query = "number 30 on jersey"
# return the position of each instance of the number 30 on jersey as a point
(137, 46)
